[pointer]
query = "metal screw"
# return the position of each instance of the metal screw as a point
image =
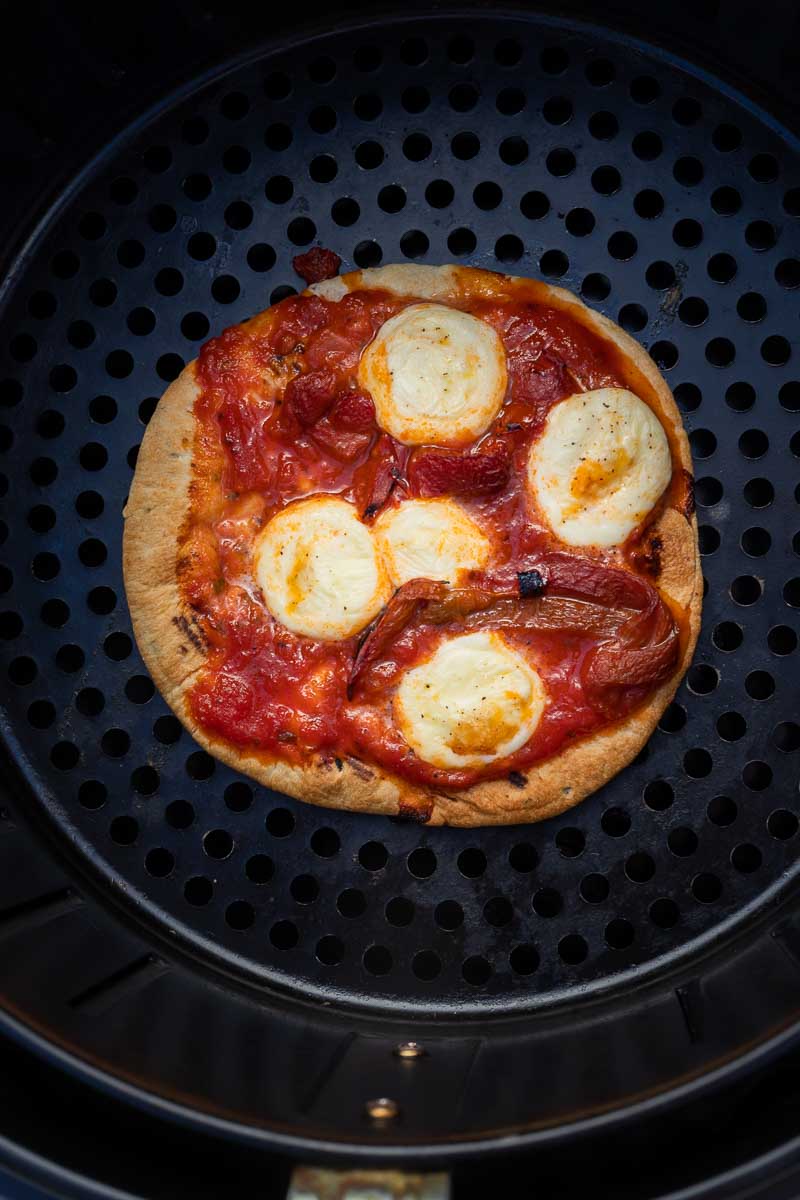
(382, 1109)
(408, 1051)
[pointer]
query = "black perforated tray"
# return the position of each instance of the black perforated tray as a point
(520, 144)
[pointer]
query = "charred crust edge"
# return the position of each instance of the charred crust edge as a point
(685, 503)
(192, 631)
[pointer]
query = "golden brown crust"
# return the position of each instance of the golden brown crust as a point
(171, 641)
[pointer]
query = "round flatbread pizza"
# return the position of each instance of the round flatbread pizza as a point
(418, 541)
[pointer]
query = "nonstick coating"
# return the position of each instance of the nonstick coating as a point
(513, 144)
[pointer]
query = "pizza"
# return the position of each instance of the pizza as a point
(418, 541)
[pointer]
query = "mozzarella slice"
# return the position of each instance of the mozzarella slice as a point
(473, 701)
(435, 374)
(600, 465)
(319, 569)
(430, 539)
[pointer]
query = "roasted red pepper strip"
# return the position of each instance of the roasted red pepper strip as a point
(436, 472)
(400, 610)
(640, 641)
(316, 264)
(310, 396)
(374, 482)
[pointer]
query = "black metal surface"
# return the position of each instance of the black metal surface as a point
(520, 143)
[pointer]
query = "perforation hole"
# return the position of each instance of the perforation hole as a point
(722, 268)
(367, 254)
(615, 822)
(179, 814)
(323, 68)
(660, 275)
(664, 354)
(325, 842)
(322, 169)
(721, 811)
(509, 248)
(633, 317)
(259, 869)
(687, 233)
(594, 889)
(400, 912)
(787, 273)
(416, 99)
(570, 842)
(90, 702)
(476, 970)
(305, 889)
(782, 640)
(648, 204)
(688, 171)
(124, 831)
(280, 823)
(377, 960)
(421, 862)
(330, 950)
(706, 888)
(238, 797)
(782, 824)
(472, 862)
(524, 959)
(708, 539)
(159, 862)
(92, 794)
(510, 101)
(167, 730)
(763, 168)
(461, 242)
(345, 211)
(726, 201)
(619, 934)
(218, 844)
(277, 137)
(791, 593)
(557, 110)
(757, 775)
(759, 493)
(640, 867)
(727, 636)
(697, 763)
(554, 264)
(261, 257)
(392, 199)
(776, 350)
(522, 857)
(284, 935)
(673, 718)
(746, 858)
(168, 281)
(759, 685)
(786, 736)
(573, 949)
(498, 912)
(373, 856)
(414, 243)
(513, 150)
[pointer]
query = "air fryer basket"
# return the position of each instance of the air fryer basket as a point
(223, 950)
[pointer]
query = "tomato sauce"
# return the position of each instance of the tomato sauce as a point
(280, 416)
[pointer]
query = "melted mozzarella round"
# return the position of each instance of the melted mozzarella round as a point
(430, 539)
(319, 569)
(473, 701)
(600, 465)
(435, 374)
